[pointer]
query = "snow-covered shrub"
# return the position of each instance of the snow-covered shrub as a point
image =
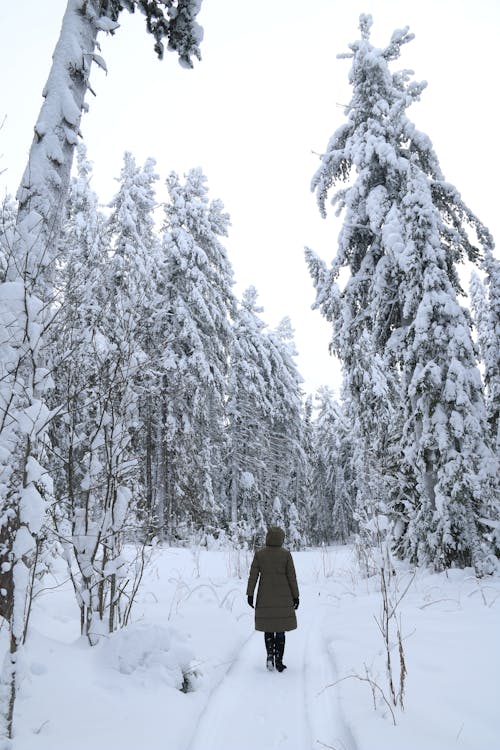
(150, 653)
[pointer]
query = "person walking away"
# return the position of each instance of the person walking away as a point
(277, 595)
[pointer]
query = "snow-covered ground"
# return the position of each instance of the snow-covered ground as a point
(124, 694)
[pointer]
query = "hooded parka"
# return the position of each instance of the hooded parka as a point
(273, 567)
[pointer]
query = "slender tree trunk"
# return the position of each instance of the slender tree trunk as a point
(161, 491)
(149, 457)
(235, 472)
(12, 685)
(170, 506)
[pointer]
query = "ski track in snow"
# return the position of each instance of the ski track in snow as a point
(253, 708)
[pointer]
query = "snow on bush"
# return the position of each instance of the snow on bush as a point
(150, 652)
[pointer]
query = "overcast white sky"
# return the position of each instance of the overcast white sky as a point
(254, 111)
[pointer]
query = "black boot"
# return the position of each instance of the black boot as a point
(279, 650)
(270, 648)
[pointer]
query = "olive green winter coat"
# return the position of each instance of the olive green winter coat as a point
(278, 588)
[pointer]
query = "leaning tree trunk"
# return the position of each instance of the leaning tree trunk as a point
(44, 185)
(25, 311)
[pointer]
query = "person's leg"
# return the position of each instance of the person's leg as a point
(270, 648)
(279, 650)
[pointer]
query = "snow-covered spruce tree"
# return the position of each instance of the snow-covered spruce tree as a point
(265, 415)
(136, 268)
(445, 431)
(27, 292)
(371, 403)
(248, 408)
(333, 518)
(286, 474)
(480, 313)
(308, 509)
(488, 341)
(485, 299)
(198, 306)
(404, 231)
(324, 462)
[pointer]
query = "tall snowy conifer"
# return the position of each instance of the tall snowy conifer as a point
(249, 406)
(199, 305)
(307, 447)
(404, 231)
(135, 277)
(485, 300)
(135, 252)
(287, 472)
(479, 304)
(268, 463)
(333, 517)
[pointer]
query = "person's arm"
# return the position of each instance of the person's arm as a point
(292, 578)
(252, 579)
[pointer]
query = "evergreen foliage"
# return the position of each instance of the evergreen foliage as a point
(265, 411)
(332, 490)
(199, 305)
(486, 307)
(404, 231)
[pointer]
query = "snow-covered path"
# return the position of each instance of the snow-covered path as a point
(253, 708)
(124, 694)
